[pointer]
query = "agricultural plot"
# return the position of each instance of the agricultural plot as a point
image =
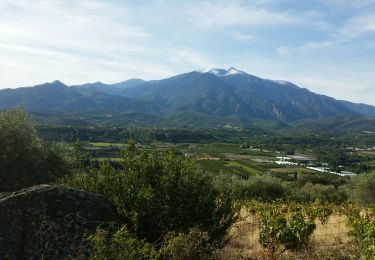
(240, 165)
(104, 144)
(214, 157)
(114, 159)
(291, 169)
(230, 167)
(237, 156)
(216, 150)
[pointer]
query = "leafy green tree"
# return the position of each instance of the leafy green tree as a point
(24, 159)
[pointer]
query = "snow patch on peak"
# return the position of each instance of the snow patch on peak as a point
(282, 82)
(223, 72)
(233, 71)
(217, 72)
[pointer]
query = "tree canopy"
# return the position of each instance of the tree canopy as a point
(24, 159)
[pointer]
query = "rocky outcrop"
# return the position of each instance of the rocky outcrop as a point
(51, 222)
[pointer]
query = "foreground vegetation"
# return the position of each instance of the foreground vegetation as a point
(174, 204)
(25, 160)
(286, 229)
(159, 195)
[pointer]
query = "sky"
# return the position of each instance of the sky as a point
(327, 46)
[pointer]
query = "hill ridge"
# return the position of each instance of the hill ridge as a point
(216, 92)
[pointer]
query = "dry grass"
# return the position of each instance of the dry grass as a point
(328, 239)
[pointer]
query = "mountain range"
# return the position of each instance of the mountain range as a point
(215, 93)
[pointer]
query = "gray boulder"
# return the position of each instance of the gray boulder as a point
(51, 222)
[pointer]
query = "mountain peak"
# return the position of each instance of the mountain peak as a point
(58, 82)
(233, 71)
(216, 71)
(223, 72)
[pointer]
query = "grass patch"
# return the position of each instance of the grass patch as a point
(230, 167)
(104, 144)
(291, 169)
(217, 150)
(242, 167)
(372, 163)
(115, 159)
(367, 153)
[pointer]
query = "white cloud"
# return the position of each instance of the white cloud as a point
(306, 47)
(348, 5)
(345, 88)
(192, 59)
(356, 27)
(40, 65)
(72, 41)
(218, 14)
(339, 78)
(242, 37)
(283, 51)
(232, 13)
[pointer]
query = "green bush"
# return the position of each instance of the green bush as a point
(121, 245)
(192, 245)
(24, 159)
(159, 194)
(264, 187)
(320, 178)
(278, 233)
(327, 193)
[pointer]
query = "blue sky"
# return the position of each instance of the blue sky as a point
(327, 46)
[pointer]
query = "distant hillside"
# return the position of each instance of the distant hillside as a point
(215, 96)
(362, 109)
(338, 124)
(57, 97)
